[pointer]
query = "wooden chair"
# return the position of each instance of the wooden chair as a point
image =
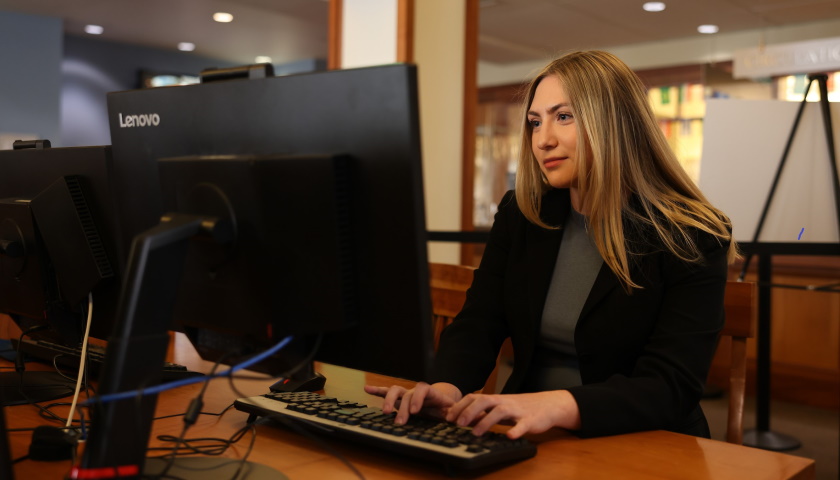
(449, 284)
(740, 304)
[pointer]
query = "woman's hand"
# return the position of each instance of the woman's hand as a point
(529, 412)
(435, 399)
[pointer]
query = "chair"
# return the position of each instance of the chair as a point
(449, 284)
(739, 302)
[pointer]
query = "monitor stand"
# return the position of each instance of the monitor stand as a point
(33, 387)
(119, 435)
(201, 468)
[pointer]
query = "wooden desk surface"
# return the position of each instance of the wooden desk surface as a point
(642, 455)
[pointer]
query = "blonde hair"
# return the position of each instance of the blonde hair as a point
(627, 156)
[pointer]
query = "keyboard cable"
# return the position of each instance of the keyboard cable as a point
(301, 431)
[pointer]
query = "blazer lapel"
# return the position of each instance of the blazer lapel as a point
(604, 283)
(542, 248)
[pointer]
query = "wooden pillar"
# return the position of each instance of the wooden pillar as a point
(441, 38)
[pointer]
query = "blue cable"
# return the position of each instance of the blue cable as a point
(113, 397)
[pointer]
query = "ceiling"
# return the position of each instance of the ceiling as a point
(510, 30)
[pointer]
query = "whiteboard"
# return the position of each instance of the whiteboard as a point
(743, 142)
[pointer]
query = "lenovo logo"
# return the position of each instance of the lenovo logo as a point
(144, 120)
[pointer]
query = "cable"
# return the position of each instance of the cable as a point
(326, 446)
(113, 397)
(217, 449)
(244, 460)
(212, 450)
(82, 361)
(202, 413)
(20, 368)
(300, 430)
(58, 369)
(190, 417)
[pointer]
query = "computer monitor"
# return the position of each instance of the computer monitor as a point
(281, 168)
(58, 231)
(368, 114)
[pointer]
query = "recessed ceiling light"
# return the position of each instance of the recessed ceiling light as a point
(262, 59)
(708, 29)
(653, 6)
(186, 46)
(94, 29)
(222, 17)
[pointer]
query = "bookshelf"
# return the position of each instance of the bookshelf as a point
(680, 110)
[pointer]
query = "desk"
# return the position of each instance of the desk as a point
(641, 455)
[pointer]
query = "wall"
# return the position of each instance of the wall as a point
(30, 76)
(55, 86)
(91, 68)
(368, 33)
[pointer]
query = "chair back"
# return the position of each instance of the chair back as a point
(449, 284)
(740, 305)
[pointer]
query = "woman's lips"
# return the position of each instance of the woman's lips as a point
(553, 161)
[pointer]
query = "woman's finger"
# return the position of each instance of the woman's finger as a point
(493, 416)
(470, 408)
(418, 397)
(376, 390)
(404, 411)
(392, 398)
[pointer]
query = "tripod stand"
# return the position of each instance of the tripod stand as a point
(762, 436)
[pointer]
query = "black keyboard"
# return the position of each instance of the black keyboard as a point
(69, 357)
(433, 441)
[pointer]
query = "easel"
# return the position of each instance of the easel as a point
(761, 436)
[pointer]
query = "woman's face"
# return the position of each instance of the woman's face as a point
(554, 133)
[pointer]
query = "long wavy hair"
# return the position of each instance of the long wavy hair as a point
(624, 159)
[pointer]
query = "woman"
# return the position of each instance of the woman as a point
(606, 269)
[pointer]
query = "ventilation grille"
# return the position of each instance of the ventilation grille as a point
(94, 241)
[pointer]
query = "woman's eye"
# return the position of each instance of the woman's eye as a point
(564, 117)
(534, 123)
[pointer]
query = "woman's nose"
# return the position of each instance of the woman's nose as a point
(546, 139)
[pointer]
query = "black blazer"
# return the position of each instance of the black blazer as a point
(644, 356)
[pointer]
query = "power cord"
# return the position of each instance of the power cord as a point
(82, 361)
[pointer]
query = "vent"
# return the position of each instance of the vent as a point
(94, 240)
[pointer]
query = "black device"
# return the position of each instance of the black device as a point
(58, 243)
(278, 196)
